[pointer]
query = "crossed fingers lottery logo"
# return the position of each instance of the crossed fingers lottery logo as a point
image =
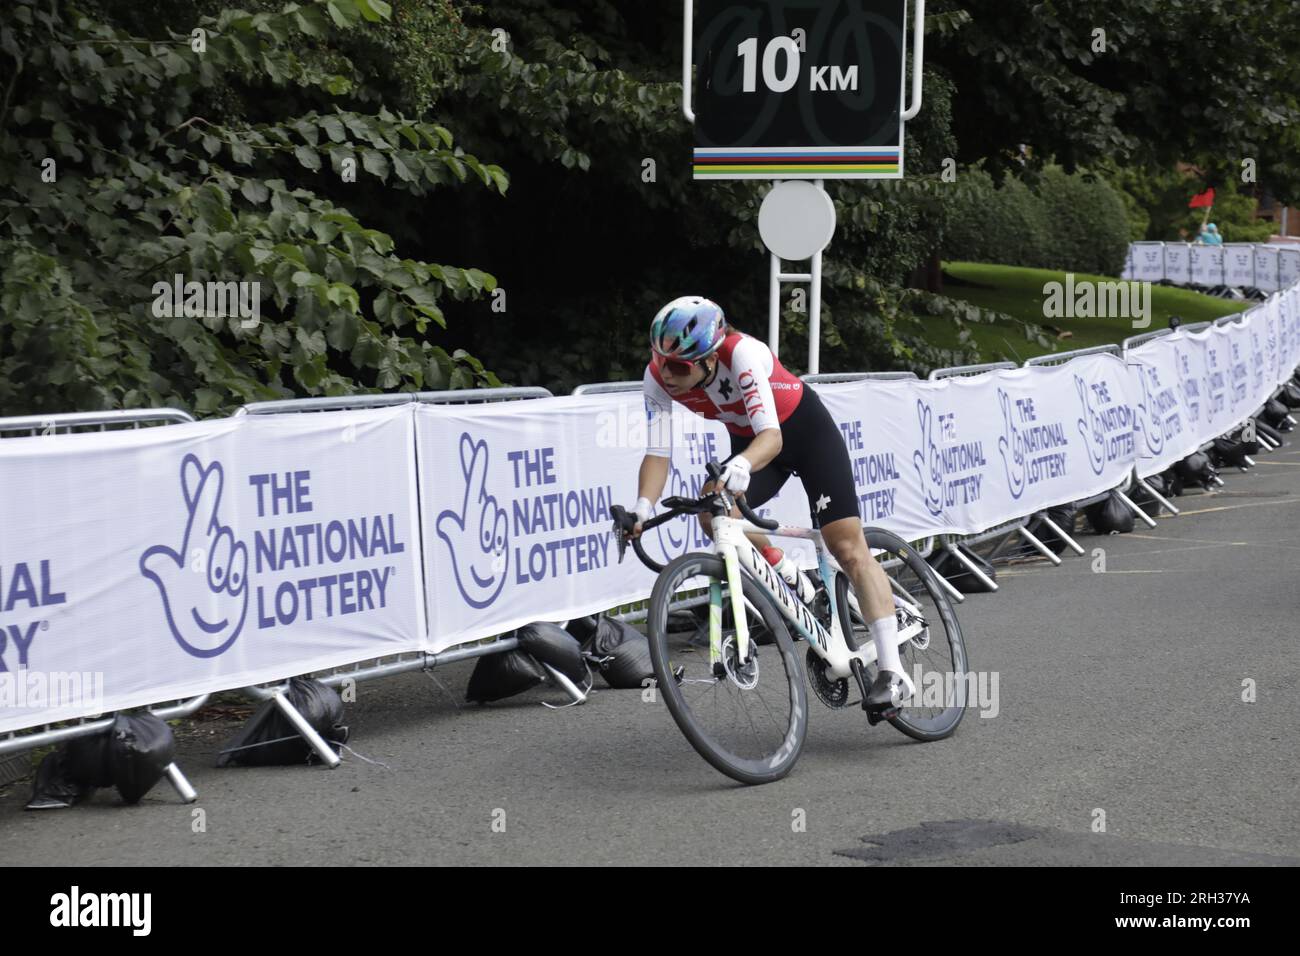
(204, 581)
(477, 531)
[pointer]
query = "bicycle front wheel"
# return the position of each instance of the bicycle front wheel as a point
(748, 718)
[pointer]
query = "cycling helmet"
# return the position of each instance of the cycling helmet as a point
(688, 329)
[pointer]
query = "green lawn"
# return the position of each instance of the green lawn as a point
(1019, 292)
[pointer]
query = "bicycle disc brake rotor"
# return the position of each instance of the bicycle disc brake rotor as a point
(906, 618)
(744, 676)
(832, 693)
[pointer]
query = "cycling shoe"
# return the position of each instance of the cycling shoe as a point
(888, 693)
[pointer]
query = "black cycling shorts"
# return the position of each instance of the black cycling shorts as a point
(813, 449)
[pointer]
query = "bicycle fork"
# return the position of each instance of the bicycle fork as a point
(731, 560)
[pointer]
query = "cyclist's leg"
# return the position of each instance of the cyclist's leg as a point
(827, 476)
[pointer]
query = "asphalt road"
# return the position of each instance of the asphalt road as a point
(1118, 692)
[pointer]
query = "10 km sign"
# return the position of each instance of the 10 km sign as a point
(799, 89)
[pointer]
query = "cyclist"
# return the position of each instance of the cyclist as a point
(778, 427)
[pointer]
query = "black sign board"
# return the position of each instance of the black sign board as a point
(799, 89)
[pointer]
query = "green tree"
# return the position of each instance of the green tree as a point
(209, 145)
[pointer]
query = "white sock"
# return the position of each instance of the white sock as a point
(885, 633)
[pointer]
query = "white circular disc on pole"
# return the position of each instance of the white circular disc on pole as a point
(797, 219)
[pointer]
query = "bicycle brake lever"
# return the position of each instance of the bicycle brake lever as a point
(620, 522)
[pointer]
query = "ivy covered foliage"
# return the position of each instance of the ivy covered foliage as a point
(214, 146)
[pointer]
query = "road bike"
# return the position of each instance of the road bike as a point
(740, 696)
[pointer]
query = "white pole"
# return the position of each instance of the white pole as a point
(688, 65)
(774, 306)
(815, 318)
(815, 311)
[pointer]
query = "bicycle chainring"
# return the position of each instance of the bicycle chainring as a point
(833, 693)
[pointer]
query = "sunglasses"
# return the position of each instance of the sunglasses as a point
(680, 369)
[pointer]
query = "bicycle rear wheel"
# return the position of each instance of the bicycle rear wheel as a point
(749, 721)
(936, 659)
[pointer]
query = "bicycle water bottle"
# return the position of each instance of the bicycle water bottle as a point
(790, 572)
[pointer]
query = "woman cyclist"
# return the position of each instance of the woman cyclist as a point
(778, 427)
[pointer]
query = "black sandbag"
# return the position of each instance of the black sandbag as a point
(582, 628)
(1275, 414)
(1110, 515)
(552, 644)
(498, 676)
(269, 739)
(1196, 469)
(1226, 453)
(1145, 499)
(141, 746)
(1290, 395)
(621, 654)
(1173, 481)
(56, 787)
(90, 759)
(958, 575)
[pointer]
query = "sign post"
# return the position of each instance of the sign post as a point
(798, 90)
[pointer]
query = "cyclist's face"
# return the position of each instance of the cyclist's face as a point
(680, 377)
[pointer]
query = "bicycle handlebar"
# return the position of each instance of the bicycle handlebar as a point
(714, 471)
(625, 521)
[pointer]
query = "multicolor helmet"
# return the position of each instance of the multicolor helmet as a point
(688, 329)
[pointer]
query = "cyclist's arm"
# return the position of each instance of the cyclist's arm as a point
(751, 366)
(653, 476)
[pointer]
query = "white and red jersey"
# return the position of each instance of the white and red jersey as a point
(750, 392)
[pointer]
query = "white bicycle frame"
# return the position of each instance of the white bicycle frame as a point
(737, 552)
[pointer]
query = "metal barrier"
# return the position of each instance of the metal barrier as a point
(966, 371)
(1134, 341)
(831, 378)
(1006, 530)
(606, 388)
(336, 403)
(1060, 358)
(407, 661)
(72, 423)
(69, 422)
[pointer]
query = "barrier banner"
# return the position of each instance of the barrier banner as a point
(1167, 409)
(516, 500)
(149, 565)
(1207, 264)
(1266, 266)
(887, 427)
(1288, 266)
(1148, 260)
(138, 567)
(1288, 307)
(1178, 262)
(1239, 264)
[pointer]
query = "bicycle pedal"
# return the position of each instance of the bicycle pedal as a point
(876, 718)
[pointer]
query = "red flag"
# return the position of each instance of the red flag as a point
(1202, 201)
